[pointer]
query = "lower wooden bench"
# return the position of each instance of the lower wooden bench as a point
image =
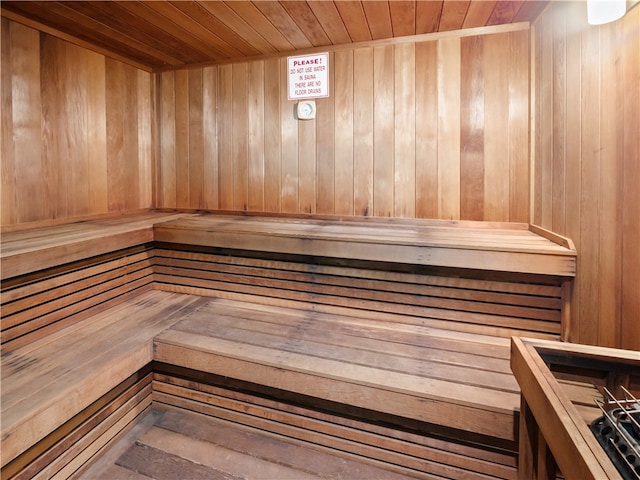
(445, 378)
(56, 390)
(422, 397)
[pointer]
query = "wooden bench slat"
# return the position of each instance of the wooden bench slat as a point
(456, 236)
(443, 293)
(539, 289)
(337, 332)
(73, 448)
(394, 331)
(41, 326)
(201, 324)
(357, 354)
(59, 278)
(52, 299)
(482, 321)
(398, 317)
(62, 244)
(312, 287)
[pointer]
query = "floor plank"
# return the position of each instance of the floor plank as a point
(176, 444)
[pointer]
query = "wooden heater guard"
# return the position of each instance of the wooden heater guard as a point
(554, 436)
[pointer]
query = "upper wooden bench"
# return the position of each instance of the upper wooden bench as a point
(487, 278)
(24, 251)
(487, 246)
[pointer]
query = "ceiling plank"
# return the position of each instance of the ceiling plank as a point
(428, 15)
(329, 17)
(279, 17)
(204, 38)
(530, 10)
(478, 14)
(307, 21)
(145, 35)
(67, 20)
(170, 34)
(196, 14)
(56, 33)
(352, 14)
(238, 25)
(254, 17)
(182, 35)
(379, 18)
(504, 12)
(453, 14)
(403, 17)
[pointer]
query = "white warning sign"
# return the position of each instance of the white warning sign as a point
(308, 76)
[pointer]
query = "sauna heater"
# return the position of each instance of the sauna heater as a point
(618, 431)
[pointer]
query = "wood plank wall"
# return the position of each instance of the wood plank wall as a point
(587, 163)
(431, 129)
(76, 130)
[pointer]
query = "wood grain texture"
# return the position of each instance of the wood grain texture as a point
(40, 385)
(398, 140)
(476, 245)
(239, 449)
(551, 412)
(286, 360)
(156, 36)
(78, 125)
(586, 163)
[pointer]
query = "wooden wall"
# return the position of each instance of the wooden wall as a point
(587, 163)
(436, 129)
(76, 130)
(432, 129)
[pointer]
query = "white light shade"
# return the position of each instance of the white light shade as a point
(605, 11)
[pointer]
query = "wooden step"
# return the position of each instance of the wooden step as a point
(177, 443)
(304, 354)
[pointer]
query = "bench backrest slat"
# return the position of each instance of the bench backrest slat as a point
(470, 304)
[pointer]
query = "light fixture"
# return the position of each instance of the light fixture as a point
(605, 11)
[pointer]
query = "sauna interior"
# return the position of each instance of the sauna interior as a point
(199, 282)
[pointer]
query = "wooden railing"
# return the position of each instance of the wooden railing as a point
(554, 432)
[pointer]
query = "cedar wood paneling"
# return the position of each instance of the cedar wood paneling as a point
(76, 130)
(408, 131)
(587, 163)
(435, 129)
(78, 138)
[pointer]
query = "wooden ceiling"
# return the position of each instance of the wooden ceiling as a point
(172, 34)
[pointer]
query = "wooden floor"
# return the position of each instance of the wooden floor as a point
(171, 443)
